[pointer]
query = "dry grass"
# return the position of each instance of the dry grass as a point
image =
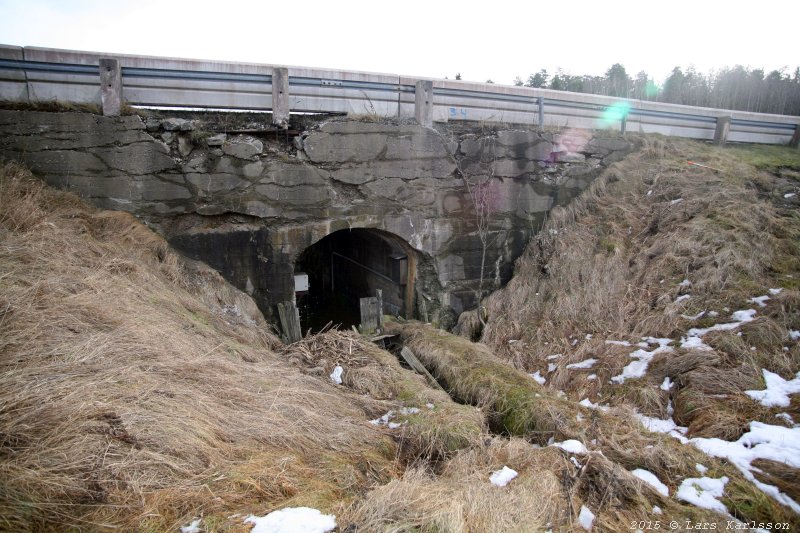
(138, 391)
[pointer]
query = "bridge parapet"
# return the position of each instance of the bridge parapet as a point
(33, 74)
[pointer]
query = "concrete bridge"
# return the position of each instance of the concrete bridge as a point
(432, 216)
(429, 191)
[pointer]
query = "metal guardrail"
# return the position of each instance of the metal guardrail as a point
(38, 74)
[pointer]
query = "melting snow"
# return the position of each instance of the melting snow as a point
(336, 375)
(194, 527)
(638, 368)
(794, 334)
(682, 298)
(591, 377)
(651, 479)
(790, 195)
(778, 390)
(554, 356)
(703, 492)
(572, 446)
(668, 426)
(619, 343)
(676, 201)
(694, 343)
(551, 367)
(763, 441)
(694, 317)
(587, 403)
(588, 363)
(786, 417)
(760, 300)
(293, 520)
(775, 292)
(502, 477)
(657, 510)
(586, 518)
(701, 468)
(746, 315)
(666, 384)
(429, 405)
(538, 378)
(684, 283)
(409, 410)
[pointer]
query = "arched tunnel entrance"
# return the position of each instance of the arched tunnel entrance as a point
(335, 272)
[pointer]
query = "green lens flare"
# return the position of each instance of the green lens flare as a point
(615, 113)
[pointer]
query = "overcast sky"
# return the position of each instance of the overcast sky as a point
(497, 39)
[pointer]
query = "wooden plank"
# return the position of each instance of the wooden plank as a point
(414, 363)
(290, 322)
(379, 296)
(369, 315)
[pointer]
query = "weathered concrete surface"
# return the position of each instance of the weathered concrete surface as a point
(249, 206)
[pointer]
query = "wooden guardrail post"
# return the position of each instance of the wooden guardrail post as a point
(721, 133)
(110, 87)
(280, 97)
(290, 322)
(541, 112)
(796, 137)
(423, 103)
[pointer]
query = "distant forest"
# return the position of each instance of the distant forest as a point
(739, 88)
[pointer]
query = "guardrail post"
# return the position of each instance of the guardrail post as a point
(721, 133)
(541, 112)
(796, 137)
(280, 97)
(423, 103)
(110, 87)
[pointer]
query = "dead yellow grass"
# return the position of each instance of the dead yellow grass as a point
(138, 391)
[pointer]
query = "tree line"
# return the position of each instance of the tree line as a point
(740, 88)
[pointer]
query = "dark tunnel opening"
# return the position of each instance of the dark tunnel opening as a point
(332, 275)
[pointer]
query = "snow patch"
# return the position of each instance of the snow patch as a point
(292, 520)
(790, 195)
(657, 510)
(701, 468)
(763, 441)
(572, 446)
(667, 426)
(651, 479)
(740, 317)
(551, 367)
(554, 356)
(587, 403)
(336, 375)
(684, 283)
(760, 300)
(694, 317)
(682, 298)
(703, 492)
(619, 343)
(794, 334)
(538, 378)
(586, 518)
(502, 477)
(775, 292)
(777, 392)
(694, 343)
(638, 368)
(666, 384)
(588, 363)
(194, 527)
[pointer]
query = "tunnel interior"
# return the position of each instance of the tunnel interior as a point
(332, 275)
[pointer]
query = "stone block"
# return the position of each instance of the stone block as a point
(344, 148)
(177, 124)
(208, 184)
(185, 145)
(290, 174)
(301, 195)
(570, 157)
(608, 144)
(137, 158)
(517, 137)
(421, 144)
(66, 162)
(216, 140)
(512, 168)
(243, 149)
(156, 190)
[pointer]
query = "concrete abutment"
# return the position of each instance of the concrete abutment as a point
(248, 200)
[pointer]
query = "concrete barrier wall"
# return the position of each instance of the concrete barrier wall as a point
(33, 74)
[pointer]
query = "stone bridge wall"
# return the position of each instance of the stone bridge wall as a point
(249, 203)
